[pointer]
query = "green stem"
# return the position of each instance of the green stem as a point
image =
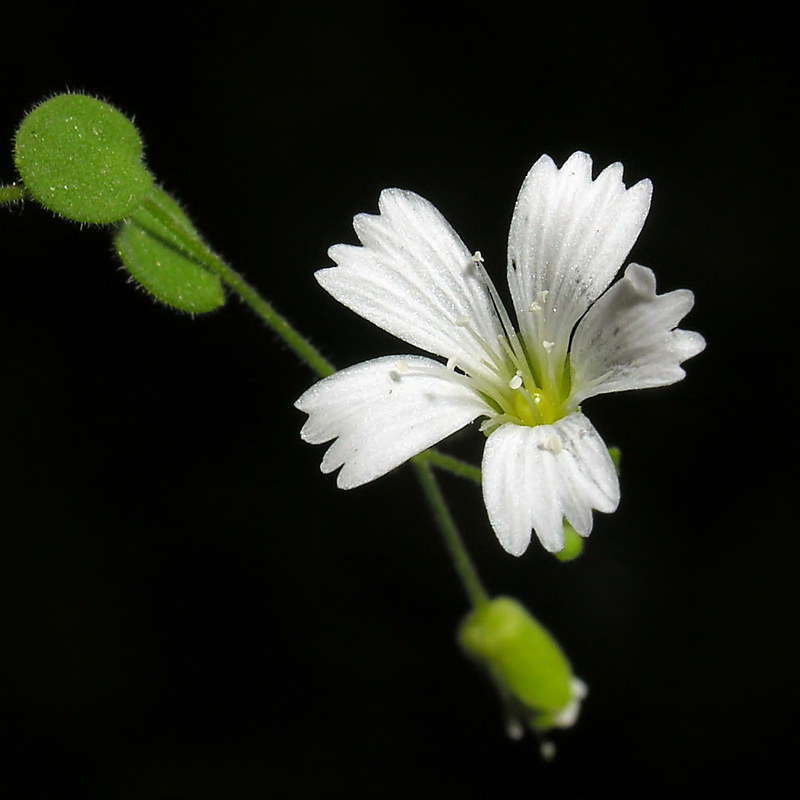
(11, 194)
(453, 465)
(197, 250)
(452, 538)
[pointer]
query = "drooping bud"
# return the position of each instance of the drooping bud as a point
(529, 668)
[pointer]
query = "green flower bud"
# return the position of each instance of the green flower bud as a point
(527, 665)
(616, 457)
(573, 544)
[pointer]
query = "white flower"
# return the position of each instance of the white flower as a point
(414, 277)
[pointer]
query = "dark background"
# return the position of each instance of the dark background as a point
(193, 611)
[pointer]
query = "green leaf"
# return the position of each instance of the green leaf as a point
(82, 159)
(154, 256)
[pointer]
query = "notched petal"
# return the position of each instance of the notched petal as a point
(569, 237)
(411, 276)
(383, 412)
(629, 338)
(535, 477)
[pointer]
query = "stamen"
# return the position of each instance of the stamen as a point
(552, 443)
(508, 348)
(514, 729)
(507, 372)
(538, 303)
(502, 314)
(547, 750)
(492, 362)
(401, 367)
(505, 345)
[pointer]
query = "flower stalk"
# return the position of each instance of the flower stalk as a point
(197, 250)
(450, 534)
(448, 529)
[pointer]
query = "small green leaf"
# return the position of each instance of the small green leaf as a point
(82, 159)
(153, 256)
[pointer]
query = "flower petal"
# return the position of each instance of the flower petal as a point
(534, 477)
(569, 237)
(383, 412)
(627, 340)
(413, 277)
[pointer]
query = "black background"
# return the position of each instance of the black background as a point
(192, 610)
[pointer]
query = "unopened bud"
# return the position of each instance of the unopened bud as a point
(531, 671)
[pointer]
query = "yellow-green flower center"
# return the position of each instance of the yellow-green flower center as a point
(521, 387)
(524, 380)
(536, 407)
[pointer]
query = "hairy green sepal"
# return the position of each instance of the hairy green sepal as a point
(155, 256)
(82, 159)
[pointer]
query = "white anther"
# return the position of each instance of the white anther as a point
(579, 688)
(548, 346)
(552, 443)
(462, 322)
(516, 381)
(514, 729)
(477, 257)
(401, 367)
(451, 363)
(547, 750)
(538, 303)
